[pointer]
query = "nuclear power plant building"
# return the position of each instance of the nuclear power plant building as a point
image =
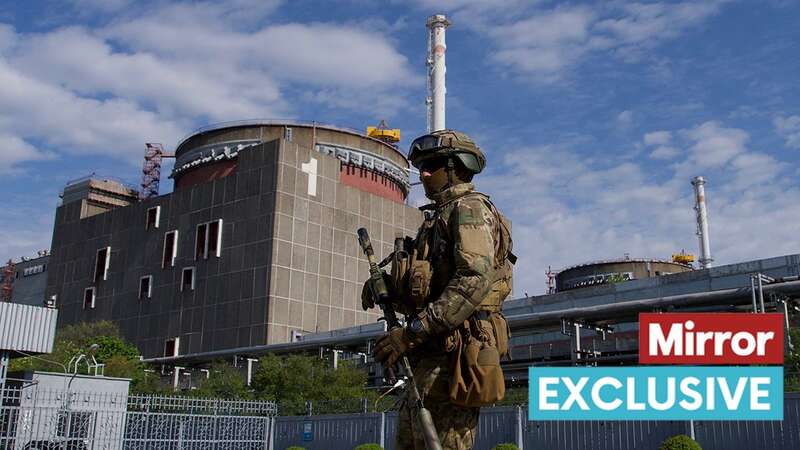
(256, 244)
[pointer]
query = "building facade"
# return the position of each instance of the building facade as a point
(256, 245)
(25, 281)
(614, 271)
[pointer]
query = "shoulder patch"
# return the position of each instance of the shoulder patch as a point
(471, 211)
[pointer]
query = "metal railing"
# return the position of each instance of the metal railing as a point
(194, 405)
(34, 418)
(286, 122)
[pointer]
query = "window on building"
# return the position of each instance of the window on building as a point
(170, 249)
(33, 270)
(146, 286)
(214, 238)
(88, 298)
(187, 279)
(201, 241)
(208, 240)
(172, 346)
(101, 264)
(153, 217)
(287, 134)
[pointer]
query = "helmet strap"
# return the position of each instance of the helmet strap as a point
(451, 172)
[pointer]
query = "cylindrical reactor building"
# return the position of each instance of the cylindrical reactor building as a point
(256, 244)
(615, 270)
(367, 164)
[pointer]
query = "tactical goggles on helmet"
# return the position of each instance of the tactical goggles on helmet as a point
(425, 147)
(433, 164)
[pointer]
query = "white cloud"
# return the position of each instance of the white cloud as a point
(657, 138)
(661, 141)
(86, 64)
(14, 150)
(577, 209)
(105, 6)
(543, 43)
(319, 54)
(625, 119)
(29, 223)
(715, 145)
(789, 129)
(647, 23)
(78, 125)
(664, 152)
(155, 73)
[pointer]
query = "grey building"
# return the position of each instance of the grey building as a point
(615, 270)
(26, 280)
(256, 245)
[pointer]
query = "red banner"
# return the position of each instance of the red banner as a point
(711, 338)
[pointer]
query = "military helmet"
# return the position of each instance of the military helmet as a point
(447, 143)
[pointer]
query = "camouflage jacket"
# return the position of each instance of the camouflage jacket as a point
(467, 243)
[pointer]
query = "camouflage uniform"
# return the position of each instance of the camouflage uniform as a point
(463, 236)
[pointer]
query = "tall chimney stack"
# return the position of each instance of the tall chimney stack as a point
(437, 24)
(702, 222)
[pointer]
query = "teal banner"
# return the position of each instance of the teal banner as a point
(656, 393)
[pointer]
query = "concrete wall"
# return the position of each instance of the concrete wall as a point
(289, 261)
(317, 266)
(227, 308)
(29, 290)
(636, 269)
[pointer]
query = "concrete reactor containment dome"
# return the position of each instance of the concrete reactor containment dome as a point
(255, 246)
(367, 164)
(615, 270)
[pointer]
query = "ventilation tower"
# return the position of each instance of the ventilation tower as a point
(437, 24)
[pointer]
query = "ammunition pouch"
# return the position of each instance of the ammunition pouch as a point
(419, 282)
(401, 260)
(477, 346)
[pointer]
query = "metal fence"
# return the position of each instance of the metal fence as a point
(35, 419)
(509, 424)
(32, 418)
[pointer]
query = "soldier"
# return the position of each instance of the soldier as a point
(451, 288)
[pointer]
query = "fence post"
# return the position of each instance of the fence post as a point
(181, 427)
(520, 436)
(691, 430)
(270, 444)
(382, 436)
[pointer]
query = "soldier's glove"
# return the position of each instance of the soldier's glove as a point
(367, 300)
(391, 346)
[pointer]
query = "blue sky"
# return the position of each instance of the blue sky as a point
(594, 116)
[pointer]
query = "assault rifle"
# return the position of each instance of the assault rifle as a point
(380, 295)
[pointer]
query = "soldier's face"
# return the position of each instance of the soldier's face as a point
(433, 175)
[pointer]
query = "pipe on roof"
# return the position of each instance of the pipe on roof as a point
(272, 348)
(617, 311)
(621, 310)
